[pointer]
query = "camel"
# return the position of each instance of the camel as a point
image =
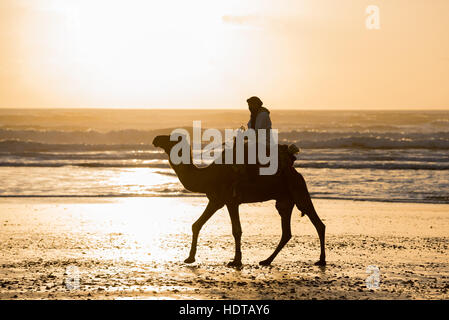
(216, 181)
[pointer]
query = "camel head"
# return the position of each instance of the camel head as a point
(164, 142)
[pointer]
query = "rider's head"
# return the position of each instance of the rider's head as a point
(254, 103)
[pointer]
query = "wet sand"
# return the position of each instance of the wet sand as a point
(114, 248)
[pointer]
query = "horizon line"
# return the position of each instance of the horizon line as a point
(222, 109)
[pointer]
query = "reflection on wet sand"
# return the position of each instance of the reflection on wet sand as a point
(133, 248)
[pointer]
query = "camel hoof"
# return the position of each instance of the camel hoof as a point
(234, 264)
(189, 260)
(320, 263)
(265, 263)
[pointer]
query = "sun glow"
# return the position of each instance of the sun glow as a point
(106, 49)
(214, 54)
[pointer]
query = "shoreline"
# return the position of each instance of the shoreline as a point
(187, 195)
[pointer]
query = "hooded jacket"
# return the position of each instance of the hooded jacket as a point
(260, 119)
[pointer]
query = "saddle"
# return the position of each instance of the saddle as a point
(246, 174)
(286, 158)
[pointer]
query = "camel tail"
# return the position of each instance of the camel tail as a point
(301, 195)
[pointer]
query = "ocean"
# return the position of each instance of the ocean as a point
(396, 156)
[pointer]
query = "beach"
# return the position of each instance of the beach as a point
(90, 209)
(120, 119)
(134, 247)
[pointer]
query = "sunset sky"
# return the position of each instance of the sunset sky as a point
(313, 54)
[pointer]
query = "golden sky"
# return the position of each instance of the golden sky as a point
(306, 54)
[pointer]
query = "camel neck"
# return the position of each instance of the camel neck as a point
(190, 176)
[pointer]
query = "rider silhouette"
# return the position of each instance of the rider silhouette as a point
(260, 120)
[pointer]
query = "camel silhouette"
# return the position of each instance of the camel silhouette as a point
(217, 181)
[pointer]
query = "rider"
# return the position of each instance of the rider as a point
(260, 116)
(260, 119)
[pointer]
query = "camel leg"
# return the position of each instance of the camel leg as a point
(211, 208)
(298, 189)
(321, 229)
(237, 233)
(285, 211)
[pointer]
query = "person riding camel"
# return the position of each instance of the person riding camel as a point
(260, 120)
(260, 116)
